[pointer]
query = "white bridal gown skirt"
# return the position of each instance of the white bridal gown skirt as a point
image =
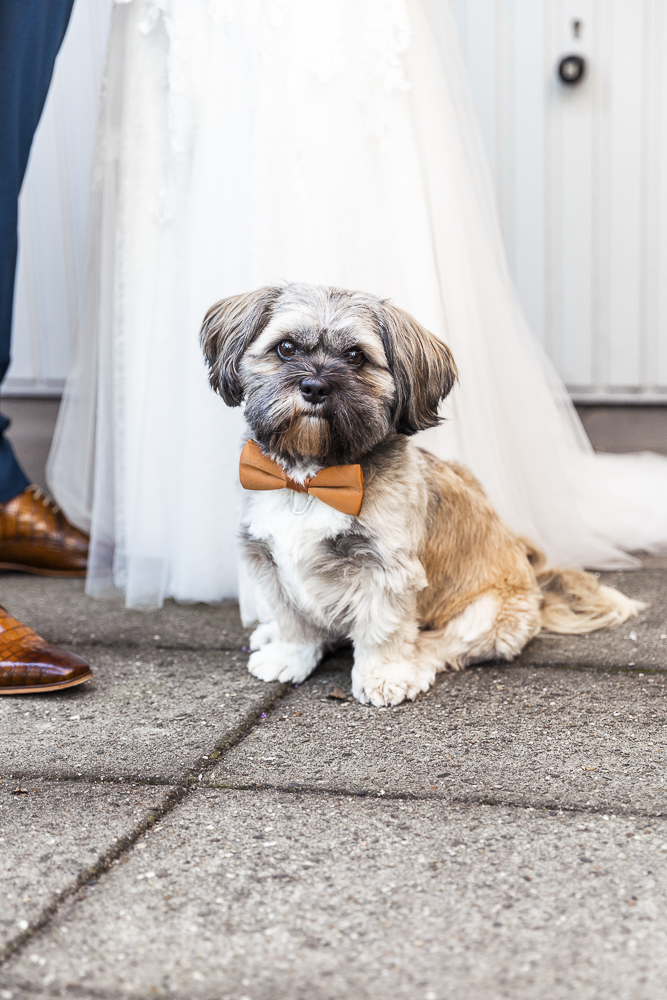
(245, 142)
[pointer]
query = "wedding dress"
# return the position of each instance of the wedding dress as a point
(246, 142)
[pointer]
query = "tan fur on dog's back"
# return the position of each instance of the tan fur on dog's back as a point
(468, 552)
(466, 549)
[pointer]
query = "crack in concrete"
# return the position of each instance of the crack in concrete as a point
(483, 799)
(181, 788)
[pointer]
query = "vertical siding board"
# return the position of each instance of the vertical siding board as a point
(458, 9)
(646, 369)
(660, 208)
(555, 232)
(26, 361)
(625, 74)
(479, 17)
(547, 47)
(506, 98)
(604, 176)
(530, 81)
(502, 114)
(49, 332)
(574, 113)
(56, 349)
(599, 220)
(656, 208)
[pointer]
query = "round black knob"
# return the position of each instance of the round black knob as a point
(571, 69)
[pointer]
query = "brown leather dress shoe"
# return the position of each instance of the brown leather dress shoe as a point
(36, 537)
(28, 665)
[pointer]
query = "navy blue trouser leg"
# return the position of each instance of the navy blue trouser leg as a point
(31, 32)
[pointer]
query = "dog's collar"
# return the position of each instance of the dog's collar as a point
(340, 486)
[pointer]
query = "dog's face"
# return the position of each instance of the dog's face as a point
(326, 374)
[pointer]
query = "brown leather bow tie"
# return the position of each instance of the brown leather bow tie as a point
(340, 487)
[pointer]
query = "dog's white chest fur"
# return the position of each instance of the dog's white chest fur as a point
(294, 540)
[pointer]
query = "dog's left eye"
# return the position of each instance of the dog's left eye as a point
(354, 357)
(286, 349)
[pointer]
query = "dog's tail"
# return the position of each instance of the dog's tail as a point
(575, 602)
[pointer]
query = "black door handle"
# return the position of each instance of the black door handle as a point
(571, 70)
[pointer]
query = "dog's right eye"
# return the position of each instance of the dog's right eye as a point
(286, 349)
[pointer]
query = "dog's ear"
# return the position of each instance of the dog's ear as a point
(229, 327)
(423, 368)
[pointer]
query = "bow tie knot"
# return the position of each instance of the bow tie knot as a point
(340, 486)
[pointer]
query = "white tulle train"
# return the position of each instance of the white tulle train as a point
(250, 142)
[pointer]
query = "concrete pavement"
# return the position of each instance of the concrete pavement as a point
(177, 828)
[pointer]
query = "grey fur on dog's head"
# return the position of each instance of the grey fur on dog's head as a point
(405, 374)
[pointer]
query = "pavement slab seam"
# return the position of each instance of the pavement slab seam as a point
(364, 900)
(587, 668)
(448, 800)
(585, 741)
(231, 739)
(91, 873)
(180, 791)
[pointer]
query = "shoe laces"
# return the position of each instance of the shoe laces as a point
(44, 498)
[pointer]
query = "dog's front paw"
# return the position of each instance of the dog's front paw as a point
(381, 683)
(284, 661)
(264, 634)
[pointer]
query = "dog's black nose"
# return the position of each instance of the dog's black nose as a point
(315, 389)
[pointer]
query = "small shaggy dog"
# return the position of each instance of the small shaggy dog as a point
(426, 577)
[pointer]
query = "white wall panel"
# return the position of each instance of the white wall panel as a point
(654, 208)
(571, 121)
(624, 118)
(581, 179)
(527, 172)
(53, 207)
